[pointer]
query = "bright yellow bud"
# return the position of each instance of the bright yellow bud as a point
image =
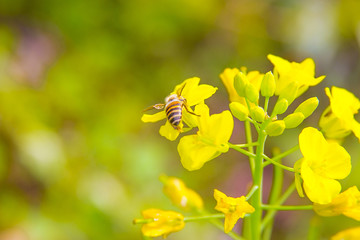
(268, 85)
(308, 106)
(251, 93)
(180, 195)
(275, 128)
(293, 120)
(239, 111)
(257, 113)
(280, 106)
(240, 83)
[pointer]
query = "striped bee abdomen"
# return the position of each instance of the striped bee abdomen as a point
(173, 111)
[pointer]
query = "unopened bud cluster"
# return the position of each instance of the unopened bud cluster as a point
(265, 85)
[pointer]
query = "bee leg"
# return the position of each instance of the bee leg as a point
(186, 108)
(156, 106)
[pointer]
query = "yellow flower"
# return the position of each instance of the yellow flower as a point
(163, 222)
(301, 73)
(323, 162)
(227, 77)
(348, 234)
(194, 94)
(346, 203)
(209, 142)
(338, 120)
(233, 208)
(180, 195)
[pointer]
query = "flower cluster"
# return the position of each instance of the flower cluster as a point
(324, 160)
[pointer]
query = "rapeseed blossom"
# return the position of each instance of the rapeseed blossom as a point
(337, 121)
(233, 208)
(161, 223)
(348, 234)
(323, 162)
(194, 94)
(292, 72)
(210, 141)
(346, 203)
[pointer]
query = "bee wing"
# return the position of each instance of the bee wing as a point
(156, 106)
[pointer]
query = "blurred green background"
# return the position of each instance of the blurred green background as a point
(76, 162)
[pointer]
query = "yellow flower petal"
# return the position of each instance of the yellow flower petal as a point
(318, 189)
(164, 222)
(348, 234)
(227, 77)
(336, 162)
(312, 144)
(169, 131)
(300, 73)
(195, 93)
(194, 153)
(346, 203)
(233, 208)
(153, 117)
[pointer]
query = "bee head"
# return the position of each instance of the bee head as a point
(171, 97)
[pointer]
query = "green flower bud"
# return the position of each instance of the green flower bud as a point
(251, 93)
(240, 83)
(289, 92)
(268, 85)
(280, 107)
(257, 113)
(239, 111)
(293, 120)
(275, 128)
(308, 106)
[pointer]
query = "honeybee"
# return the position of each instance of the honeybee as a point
(174, 105)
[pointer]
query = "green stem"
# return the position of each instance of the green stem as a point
(220, 226)
(287, 208)
(250, 148)
(243, 151)
(278, 164)
(243, 145)
(278, 176)
(282, 155)
(251, 192)
(270, 214)
(203, 217)
(215, 221)
(256, 200)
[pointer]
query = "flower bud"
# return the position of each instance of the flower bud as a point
(280, 106)
(308, 106)
(180, 195)
(289, 92)
(240, 82)
(257, 113)
(268, 85)
(251, 93)
(275, 128)
(293, 120)
(239, 111)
